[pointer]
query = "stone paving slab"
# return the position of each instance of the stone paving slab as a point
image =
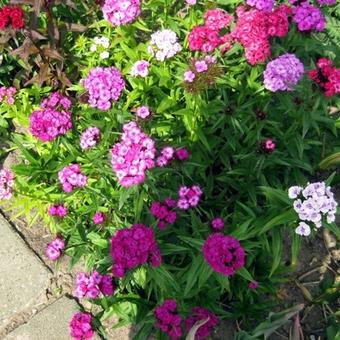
(51, 323)
(23, 278)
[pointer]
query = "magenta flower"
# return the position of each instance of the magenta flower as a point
(54, 248)
(217, 223)
(132, 247)
(168, 320)
(182, 154)
(98, 218)
(223, 253)
(164, 212)
(198, 314)
(58, 210)
(80, 326)
(92, 285)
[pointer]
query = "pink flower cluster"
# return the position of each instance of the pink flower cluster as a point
(217, 223)
(58, 210)
(54, 248)
(326, 76)
(104, 85)
(207, 37)
(92, 285)
(140, 68)
(80, 326)
(56, 101)
(53, 120)
(143, 112)
(98, 218)
(308, 17)
(7, 93)
(189, 197)
(168, 320)
(166, 156)
(254, 29)
(71, 177)
(89, 138)
(164, 212)
(6, 184)
(119, 12)
(199, 314)
(133, 155)
(132, 247)
(282, 73)
(223, 253)
(267, 146)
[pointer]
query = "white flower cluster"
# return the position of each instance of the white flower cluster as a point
(101, 42)
(164, 45)
(313, 203)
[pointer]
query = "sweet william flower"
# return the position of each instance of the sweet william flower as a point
(121, 12)
(199, 314)
(98, 218)
(55, 248)
(168, 320)
(104, 85)
(6, 184)
(81, 327)
(223, 253)
(282, 73)
(140, 69)
(303, 229)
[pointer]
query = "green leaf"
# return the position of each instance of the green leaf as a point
(245, 274)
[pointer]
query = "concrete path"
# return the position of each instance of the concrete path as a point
(27, 311)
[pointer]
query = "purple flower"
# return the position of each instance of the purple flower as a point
(308, 17)
(6, 184)
(282, 73)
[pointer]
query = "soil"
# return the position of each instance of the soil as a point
(318, 259)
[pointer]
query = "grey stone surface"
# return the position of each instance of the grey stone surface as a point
(51, 323)
(23, 278)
